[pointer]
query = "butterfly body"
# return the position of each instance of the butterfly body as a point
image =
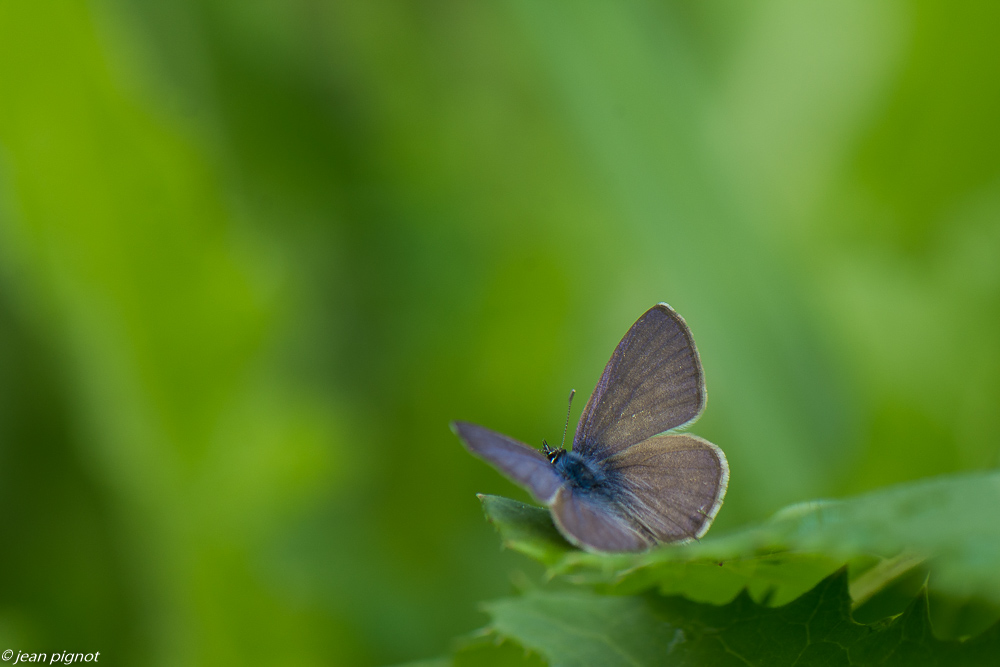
(626, 484)
(579, 472)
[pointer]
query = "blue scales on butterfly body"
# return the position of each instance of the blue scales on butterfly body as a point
(579, 472)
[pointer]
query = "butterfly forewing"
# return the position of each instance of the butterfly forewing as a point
(673, 485)
(653, 383)
(522, 464)
(595, 525)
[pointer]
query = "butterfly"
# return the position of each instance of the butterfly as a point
(627, 483)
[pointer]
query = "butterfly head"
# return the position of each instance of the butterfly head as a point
(552, 453)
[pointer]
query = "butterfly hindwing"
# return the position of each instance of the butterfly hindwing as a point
(653, 383)
(673, 485)
(522, 464)
(594, 525)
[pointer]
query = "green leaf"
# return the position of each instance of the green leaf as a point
(582, 628)
(780, 577)
(527, 529)
(938, 520)
(489, 649)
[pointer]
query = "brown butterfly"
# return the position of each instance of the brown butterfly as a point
(626, 484)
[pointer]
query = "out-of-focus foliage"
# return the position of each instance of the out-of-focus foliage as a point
(254, 256)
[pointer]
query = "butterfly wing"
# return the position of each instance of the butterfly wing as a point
(673, 485)
(653, 383)
(520, 463)
(595, 524)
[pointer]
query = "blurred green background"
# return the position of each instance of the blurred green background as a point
(254, 256)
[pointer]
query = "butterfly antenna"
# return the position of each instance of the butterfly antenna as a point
(569, 409)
